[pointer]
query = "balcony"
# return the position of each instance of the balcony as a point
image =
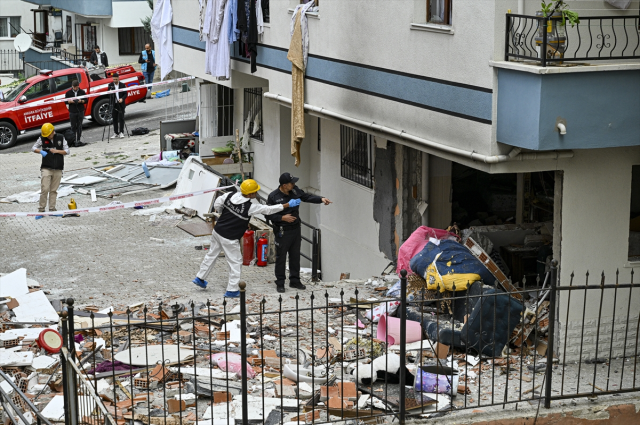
(97, 8)
(583, 79)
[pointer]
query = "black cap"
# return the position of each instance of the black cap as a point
(287, 178)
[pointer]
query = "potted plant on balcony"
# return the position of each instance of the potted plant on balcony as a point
(558, 13)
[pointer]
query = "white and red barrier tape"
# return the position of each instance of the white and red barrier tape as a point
(116, 207)
(102, 93)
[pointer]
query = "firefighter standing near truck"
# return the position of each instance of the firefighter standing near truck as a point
(53, 148)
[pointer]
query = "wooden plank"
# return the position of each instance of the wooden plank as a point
(488, 262)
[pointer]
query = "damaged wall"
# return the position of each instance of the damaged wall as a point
(385, 203)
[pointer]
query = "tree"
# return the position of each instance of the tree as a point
(146, 22)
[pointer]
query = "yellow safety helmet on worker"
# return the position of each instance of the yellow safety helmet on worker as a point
(47, 130)
(249, 186)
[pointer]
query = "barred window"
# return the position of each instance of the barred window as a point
(253, 113)
(439, 11)
(225, 111)
(356, 152)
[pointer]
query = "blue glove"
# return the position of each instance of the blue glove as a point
(294, 203)
(43, 153)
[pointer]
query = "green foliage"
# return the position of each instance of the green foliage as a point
(146, 22)
(548, 9)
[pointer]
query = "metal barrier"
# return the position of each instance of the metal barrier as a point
(15, 404)
(550, 41)
(10, 61)
(313, 358)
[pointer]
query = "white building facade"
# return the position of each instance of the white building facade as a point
(444, 123)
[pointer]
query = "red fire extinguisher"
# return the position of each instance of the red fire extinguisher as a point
(247, 247)
(262, 251)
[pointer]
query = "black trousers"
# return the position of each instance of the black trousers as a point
(289, 243)
(118, 120)
(76, 118)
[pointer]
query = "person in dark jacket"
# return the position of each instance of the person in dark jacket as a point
(148, 60)
(286, 226)
(98, 58)
(118, 102)
(76, 111)
(53, 147)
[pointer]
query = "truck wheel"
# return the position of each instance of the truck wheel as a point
(8, 135)
(101, 113)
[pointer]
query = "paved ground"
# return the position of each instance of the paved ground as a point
(108, 258)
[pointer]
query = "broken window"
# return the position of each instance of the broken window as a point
(253, 113)
(357, 156)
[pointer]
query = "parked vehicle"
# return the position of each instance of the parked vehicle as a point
(52, 85)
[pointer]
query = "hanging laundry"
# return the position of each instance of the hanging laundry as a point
(252, 41)
(232, 18)
(217, 59)
(298, 50)
(259, 17)
(161, 29)
(203, 10)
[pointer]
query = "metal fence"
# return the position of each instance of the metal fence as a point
(316, 358)
(548, 41)
(10, 62)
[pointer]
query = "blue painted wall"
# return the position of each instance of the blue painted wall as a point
(42, 60)
(447, 97)
(601, 109)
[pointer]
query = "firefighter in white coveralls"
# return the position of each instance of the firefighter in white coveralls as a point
(236, 210)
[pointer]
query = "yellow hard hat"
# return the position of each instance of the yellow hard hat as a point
(47, 129)
(249, 186)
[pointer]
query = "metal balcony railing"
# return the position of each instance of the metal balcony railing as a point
(549, 41)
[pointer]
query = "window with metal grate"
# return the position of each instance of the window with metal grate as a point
(253, 113)
(356, 153)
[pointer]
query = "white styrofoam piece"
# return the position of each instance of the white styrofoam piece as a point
(35, 307)
(29, 334)
(6, 386)
(206, 372)
(43, 362)
(94, 197)
(15, 358)
(55, 409)
(153, 354)
(85, 181)
(14, 284)
(106, 310)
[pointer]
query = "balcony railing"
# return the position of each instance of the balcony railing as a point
(548, 42)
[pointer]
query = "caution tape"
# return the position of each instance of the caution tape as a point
(90, 95)
(108, 208)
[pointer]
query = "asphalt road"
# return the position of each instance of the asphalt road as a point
(149, 115)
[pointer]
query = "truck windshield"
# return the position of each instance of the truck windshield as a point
(12, 94)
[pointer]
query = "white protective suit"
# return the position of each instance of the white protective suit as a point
(230, 247)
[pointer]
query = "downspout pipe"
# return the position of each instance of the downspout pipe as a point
(515, 154)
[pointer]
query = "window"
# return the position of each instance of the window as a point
(131, 41)
(439, 12)
(265, 10)
(356, 153)
(63, 82)
(9, 26)
(43, 88)
(253, 113)
(225, 111)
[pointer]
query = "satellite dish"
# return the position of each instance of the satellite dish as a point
(22, 42)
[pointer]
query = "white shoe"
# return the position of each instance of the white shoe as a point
(122, 135)
(115, 136)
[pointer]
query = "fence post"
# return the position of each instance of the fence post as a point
(506, 38)
(243, 352)
(551, 339)
(403, 342)
(63, 362)
(543, 49)
(314, 256)
(70, 385)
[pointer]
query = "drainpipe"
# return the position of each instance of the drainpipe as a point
(372, 128)
(520, 7)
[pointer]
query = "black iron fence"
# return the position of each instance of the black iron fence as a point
(316, 357)
(551, 41)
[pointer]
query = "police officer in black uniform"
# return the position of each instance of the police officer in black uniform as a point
(286, 226)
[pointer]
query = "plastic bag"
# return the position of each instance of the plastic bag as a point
(233, 363)
(384, 309)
